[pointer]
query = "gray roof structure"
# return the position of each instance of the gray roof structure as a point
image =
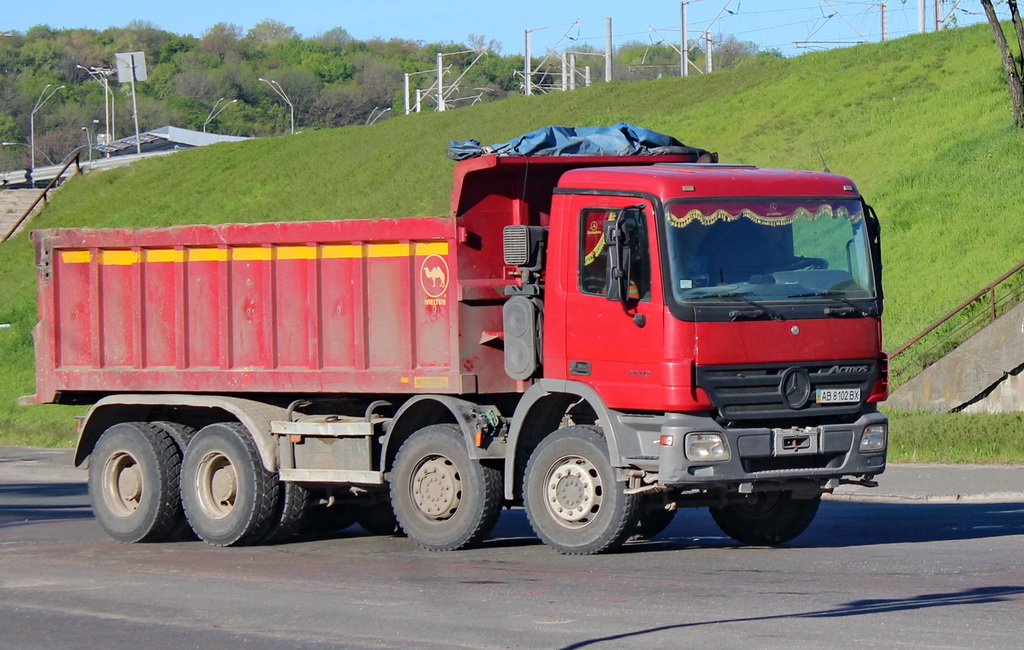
(165, 140)
(165, 137)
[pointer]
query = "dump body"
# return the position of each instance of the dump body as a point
(335, 306)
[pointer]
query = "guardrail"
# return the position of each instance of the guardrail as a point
(959, 324)
(44, 195)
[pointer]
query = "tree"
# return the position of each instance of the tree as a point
(336, 37)
(221, 40)
(728, 52)
(1013, 66)
(271, 31)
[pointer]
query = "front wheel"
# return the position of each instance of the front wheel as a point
(572, 499)
(766, 518)
(229, 497)
(133, 483)
(443, 499)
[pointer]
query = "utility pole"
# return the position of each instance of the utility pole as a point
(528, 67)
(707, 51)
(440, 81)
(684, 51)
(920, 16)
(938, 15)
(406, 93)
(885, 21)
(607, 49)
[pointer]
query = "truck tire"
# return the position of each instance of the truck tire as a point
(292, 513)
(134, 473)
(229, 498)
(444, 501)
(766, 518)
(572, 499)
(181, 434)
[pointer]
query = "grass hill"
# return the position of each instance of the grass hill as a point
(922, 124)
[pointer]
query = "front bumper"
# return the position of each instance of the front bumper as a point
(762, 458)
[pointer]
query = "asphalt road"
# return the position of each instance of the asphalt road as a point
(905, 571)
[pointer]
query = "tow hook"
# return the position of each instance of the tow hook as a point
(863, 482)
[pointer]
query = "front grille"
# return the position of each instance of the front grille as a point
(754, 392)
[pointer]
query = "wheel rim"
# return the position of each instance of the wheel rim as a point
(573, 491)
(122, 484)
(217, 485)
(436, 488)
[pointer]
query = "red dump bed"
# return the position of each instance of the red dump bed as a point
(318, 307)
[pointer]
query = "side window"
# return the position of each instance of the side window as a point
(593, 255)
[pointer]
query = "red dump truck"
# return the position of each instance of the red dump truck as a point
(600, 340)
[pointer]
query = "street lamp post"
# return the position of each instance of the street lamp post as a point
(214, 112)
(102, 77)
(32, 124)
(276, 87)
(376, 114)
(88, 140)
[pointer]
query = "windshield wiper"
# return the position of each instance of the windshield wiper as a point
(829, 293)
(741, 295)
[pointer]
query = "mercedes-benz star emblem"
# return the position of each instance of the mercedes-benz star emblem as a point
(795, 387)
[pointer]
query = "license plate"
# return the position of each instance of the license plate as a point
(837, 395)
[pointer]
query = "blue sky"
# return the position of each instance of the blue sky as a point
(792, 26)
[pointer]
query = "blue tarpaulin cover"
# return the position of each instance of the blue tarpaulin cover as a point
(621, 139)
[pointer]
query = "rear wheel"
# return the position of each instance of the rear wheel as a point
(181, 434)
(444, 500)
(292, 513)
(133, 483)
(229, 497)
(766, 518)
(572, 499)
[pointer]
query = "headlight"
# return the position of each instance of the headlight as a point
(873, 439)
(706, 447)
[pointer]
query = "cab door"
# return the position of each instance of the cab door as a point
(615, 346)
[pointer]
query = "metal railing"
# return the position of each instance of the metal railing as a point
(43, 196)
(964, 321)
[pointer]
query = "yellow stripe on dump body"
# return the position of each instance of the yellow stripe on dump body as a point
(120, 257)
(75, 257)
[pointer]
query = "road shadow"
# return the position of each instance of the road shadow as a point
(977, 596)
(27, 503)
(838, 525)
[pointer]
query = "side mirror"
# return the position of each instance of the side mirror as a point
(620, 236)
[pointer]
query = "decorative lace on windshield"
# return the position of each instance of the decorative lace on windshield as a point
(825, 210)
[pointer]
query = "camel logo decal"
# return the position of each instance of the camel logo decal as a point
(434, 276)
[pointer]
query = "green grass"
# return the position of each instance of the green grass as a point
(922, 124)
(955, 437)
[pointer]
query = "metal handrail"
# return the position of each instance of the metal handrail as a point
(42, 197)
(983, 318)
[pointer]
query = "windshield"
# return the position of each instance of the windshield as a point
(769, 250)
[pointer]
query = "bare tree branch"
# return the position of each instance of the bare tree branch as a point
(1010, 62)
